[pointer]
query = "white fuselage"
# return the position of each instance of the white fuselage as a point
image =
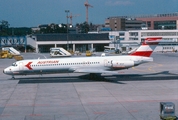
(75, 64)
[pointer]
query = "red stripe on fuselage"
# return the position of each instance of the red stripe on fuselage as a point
(142, 53)
(28, 66)
(152, 39)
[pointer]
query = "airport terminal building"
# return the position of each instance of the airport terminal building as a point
(133, 38)
(74, 42)
(122, 40)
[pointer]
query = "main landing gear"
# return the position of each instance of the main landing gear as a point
(94, 76)
(13, 78)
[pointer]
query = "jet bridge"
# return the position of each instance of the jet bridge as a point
(13, 41)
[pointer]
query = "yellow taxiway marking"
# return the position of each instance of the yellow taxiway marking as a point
(149, 68)
(141, 70)
(156, 65)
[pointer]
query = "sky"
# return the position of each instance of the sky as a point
(31, 13)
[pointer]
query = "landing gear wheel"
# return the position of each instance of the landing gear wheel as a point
(13, 78)
(93, 76)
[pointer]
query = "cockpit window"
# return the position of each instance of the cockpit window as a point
(14, 64)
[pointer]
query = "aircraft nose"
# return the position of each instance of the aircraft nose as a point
(6, 71)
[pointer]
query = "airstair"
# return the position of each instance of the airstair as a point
(11, 50)
(59, 51)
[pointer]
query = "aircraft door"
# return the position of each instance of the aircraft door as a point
(107, 63)
(21, 66)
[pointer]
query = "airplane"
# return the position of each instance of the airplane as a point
(92, 65)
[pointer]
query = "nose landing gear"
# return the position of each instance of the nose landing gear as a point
(13, 78)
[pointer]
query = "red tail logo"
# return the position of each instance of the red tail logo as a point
(28, 66)
(147, 47)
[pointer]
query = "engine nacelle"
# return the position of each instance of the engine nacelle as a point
(122, 64)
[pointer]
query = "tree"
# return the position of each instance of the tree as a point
(4, 25)
(83, 27)
(53, 28)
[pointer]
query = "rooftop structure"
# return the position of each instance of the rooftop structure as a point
(148, 16)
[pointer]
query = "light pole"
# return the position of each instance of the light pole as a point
(67, 11)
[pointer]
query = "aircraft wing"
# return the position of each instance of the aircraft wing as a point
(94, 70)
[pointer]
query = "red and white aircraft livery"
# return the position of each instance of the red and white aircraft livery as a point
(92, 65)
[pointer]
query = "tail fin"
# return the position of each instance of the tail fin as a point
(147, 47)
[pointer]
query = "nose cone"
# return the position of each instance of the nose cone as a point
(7, 71)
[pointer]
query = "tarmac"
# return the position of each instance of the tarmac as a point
(133, 94)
